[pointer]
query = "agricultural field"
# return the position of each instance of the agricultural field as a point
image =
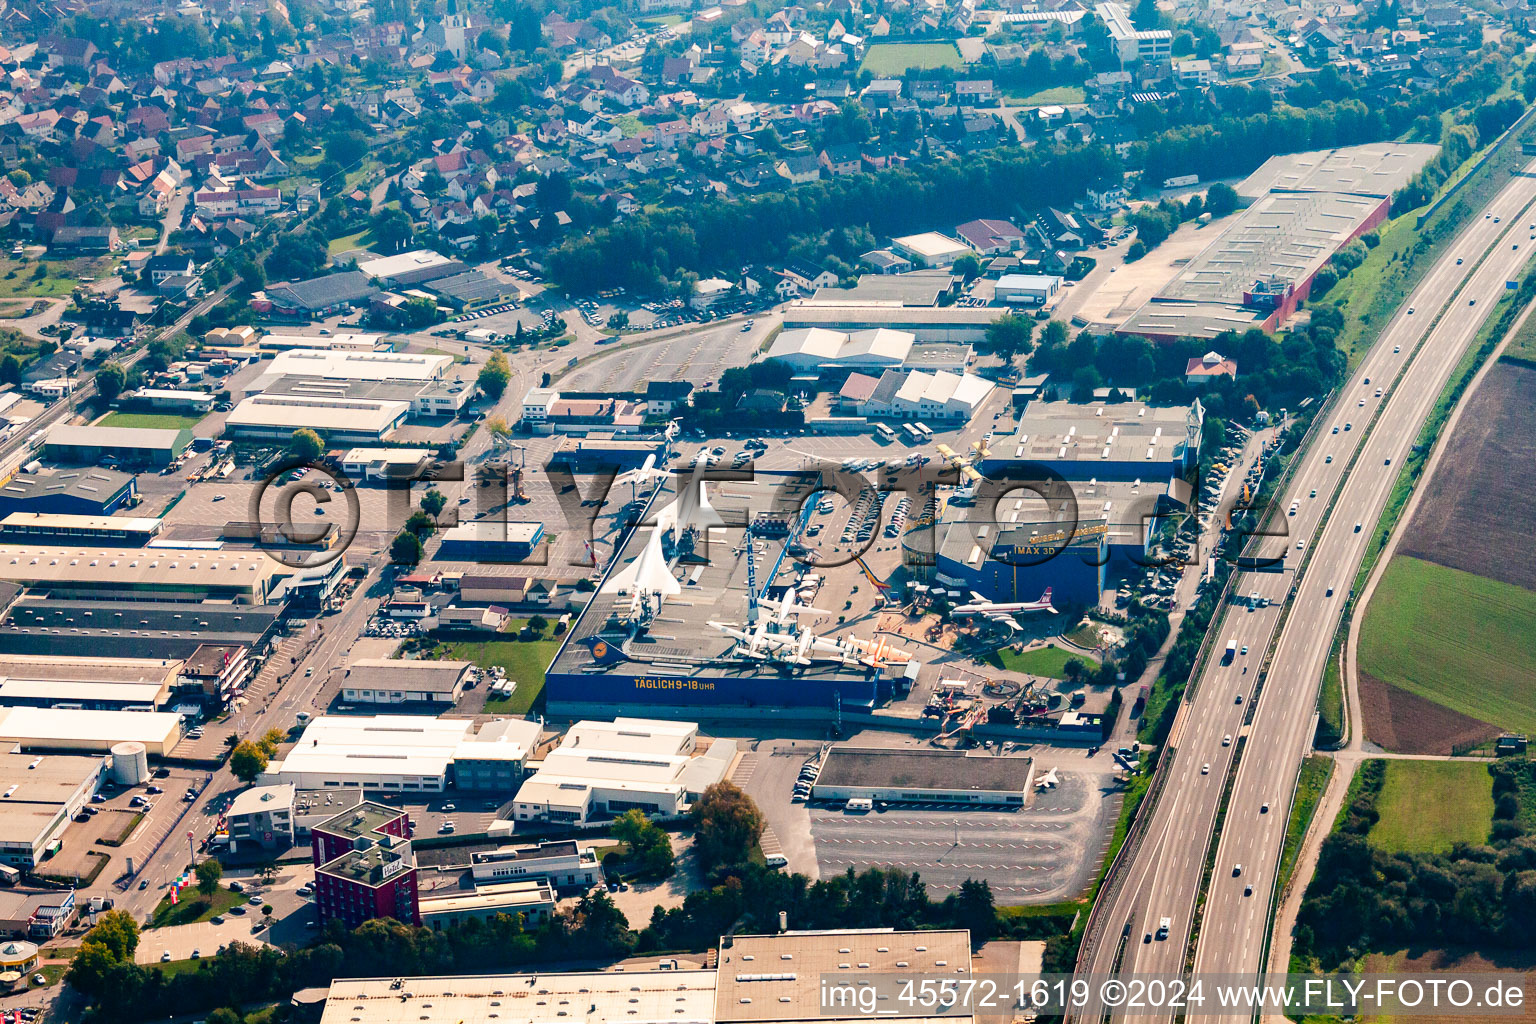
(1474, 512)
(891, 59)
(1456, 640)
(1429, 806)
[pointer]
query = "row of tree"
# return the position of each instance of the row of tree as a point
(593, 930)
(1364, 899)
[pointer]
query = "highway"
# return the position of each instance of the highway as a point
(1162, 877)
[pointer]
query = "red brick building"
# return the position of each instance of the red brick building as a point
(364, 866)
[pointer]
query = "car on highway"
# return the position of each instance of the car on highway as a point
(1313, 494)
(1328, 459)
(1237, 869)
(1245, 648)
(1226, 740)
(1335, 430)
(1238, 699)
(1378, 392)
(1349, 426)
(143, 884)
(1263, 808)
(1458, 261)
(1396, 349)
(1205, 769)
(1410, 310)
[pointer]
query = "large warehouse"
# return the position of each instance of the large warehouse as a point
(407, 753)
(1100, 441)
(899, 775)
(43, 793)
(132, 446)
(602, 769)
(89, 731)
(1304, 208)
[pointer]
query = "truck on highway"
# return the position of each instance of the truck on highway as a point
(1226, 659)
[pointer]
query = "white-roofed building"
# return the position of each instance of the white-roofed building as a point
(411, 367)
(276, 417)
(410, 753)
(930, 249)
(818, 349)
(343, 341)
(606, 768)
(89, 731)
(381, 463)
(261, 816)
(914, 394)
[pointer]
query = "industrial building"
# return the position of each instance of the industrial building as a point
(589, 997)
(43, 791)
(411, 367)
(1100, 440)
(602, 769)
(80, 731)
(381, 464)
(340, 420)
(1027, 289)
(142, 628)
(758, 979)
(364, 866)
(955, 324)
(930, 249)
(782, 979)
(1304, 207)
(131, 446)
(914, 394)
(610, 663)
(81, 492)
(563, 862)
(489, 540)
(55, 528)
(261, 817)
(898, 775)
(397, 681)
(90, 683)
(818, 350)
(242, 577)
(531, 898)
(406, 753)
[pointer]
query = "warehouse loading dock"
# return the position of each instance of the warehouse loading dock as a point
(923, 776)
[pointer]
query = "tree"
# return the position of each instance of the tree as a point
(110, 380)
(727, 825)
(494, 375)
(247, 761)
(968, 267)
(10, 369)
(419, 524)
(433, 502)
(1009, 335)
(208, 873)
(305, 444)
(650, 848)
(1220, 199)
(118, 932)
(224, 1015)
(392, 228)
(269, 742)
(498, 427)
(538, 624)
(973, 908)
(405, 549)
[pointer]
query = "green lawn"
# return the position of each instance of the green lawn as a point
(1059, 95)
(1523, 345)
(1460, 640)
(891, 59)
(525, 661)
(1043, 661)
(18, 279)
(357, 240)
(1428, 806)
(151, 420)
(193, 907)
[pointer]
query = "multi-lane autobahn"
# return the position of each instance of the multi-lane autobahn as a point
(1339, 489)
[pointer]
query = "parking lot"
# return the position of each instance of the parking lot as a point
(1047, 851)
(700, 356)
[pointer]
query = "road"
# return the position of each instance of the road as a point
(65, 407)
(1162, 877)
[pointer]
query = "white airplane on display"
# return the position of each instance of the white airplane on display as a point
(791, 606)
(1047, 781)
(1003, 611)
(761, 644)
(645, 477)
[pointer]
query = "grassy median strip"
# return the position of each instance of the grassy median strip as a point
(1315, 773)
